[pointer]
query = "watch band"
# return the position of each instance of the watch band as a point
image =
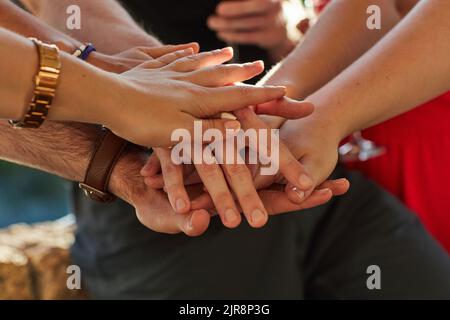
(46, 81)
(108, 151)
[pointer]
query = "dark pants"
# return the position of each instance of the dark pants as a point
(318, 253)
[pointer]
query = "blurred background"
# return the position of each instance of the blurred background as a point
(28, 195)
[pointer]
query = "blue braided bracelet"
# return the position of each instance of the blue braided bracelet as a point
(84, 51)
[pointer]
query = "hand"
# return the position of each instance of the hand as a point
(154, 210)
(152, 207)
(315, 144)
(126, 60)
(216, 180)
(255, 22)
(189, 87)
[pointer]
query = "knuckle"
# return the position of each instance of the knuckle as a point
(249, 198)
(209, 170)
(237, 171)
(174, 189)
(223, 198)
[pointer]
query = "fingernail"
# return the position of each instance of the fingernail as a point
(258, 62)
(230, 215)
(228, 116)
(227, 49)
(258, 216)
(324, 191)
(232, 125)
(305, 181)
(189, 226)
(180, 204)
(300, 193)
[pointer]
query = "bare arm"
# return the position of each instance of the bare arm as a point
(15, 19)
(408, 67)
(104, 23)
(339, 38)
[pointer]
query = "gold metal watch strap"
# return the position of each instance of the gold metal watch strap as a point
(46, 81)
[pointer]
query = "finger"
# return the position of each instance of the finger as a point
(173, 181)
(197, 223)
(222, 75)
(239, 96)
(167, 59)
(213, 126)
(297, 195)
(152, 167)
(237, 24)
(277, 202)
(317, 198)
(231, 9)
(156, 52)
(286, 108)
(214, 181)
(338, 187)
(165, 220)
(203, 59)
(241, 182)
(277, 153)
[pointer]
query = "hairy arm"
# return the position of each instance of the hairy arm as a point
(58, 148)
(103, 22)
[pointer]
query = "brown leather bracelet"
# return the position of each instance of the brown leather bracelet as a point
(96, 181)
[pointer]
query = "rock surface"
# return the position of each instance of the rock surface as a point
(34, 259)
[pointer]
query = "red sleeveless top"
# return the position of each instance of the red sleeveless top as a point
(416, 165)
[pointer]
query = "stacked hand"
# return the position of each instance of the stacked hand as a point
(255, 195)
(172, 91)
(192, 192)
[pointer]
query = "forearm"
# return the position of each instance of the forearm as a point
(57, 148)
(65, 150)
(333, 43)
(19, 21)
(409, 66)
(104, 23)
(18, 64)
(83, 93)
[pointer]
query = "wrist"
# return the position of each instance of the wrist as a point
(281, 50)
(106, 63)
(85, 94)
(327, 123)
(278, 77)
(126, 181)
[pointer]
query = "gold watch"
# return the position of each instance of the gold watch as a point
(46, 81)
